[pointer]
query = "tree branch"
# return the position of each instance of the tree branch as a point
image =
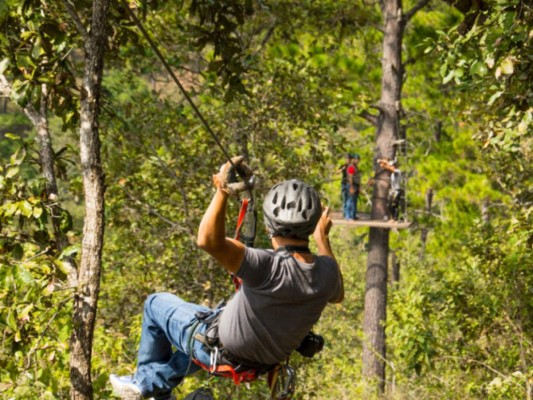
(76, 19)
(373, 119)
(29, 110)
(417, 7)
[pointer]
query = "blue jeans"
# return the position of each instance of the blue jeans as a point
(345, 192)
(350, 206)
(168, 321)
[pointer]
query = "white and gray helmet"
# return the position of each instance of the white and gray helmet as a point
(292, 209)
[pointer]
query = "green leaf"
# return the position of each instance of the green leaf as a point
(448, 77)
(27, 34)
(24, 275)
(11, 321)
(65, 223)
(478, 68)
(63, 266)
(494, 97)
(25, 312)
(11, 172)
(9, 209)
(3, 65)
(19, 157)
(70, 251)
(507, 66)
(37, 212)
(36, 50)
(26, 208)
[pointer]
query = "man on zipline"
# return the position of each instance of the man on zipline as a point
(283, 293)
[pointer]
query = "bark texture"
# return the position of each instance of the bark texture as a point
(374, 348)
(47, 161)
(88, 284)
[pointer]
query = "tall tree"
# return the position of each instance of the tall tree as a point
(88, 279)
(387, 131)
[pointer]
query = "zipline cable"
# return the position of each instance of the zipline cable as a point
(183, 91)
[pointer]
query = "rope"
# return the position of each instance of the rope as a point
(182, 89)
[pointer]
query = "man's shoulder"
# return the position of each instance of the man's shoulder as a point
(326, 264)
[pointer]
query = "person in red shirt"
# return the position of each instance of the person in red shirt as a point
(354, 182)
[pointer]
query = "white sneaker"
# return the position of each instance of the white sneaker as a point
(125, 388)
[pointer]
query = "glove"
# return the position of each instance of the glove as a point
(233, 180)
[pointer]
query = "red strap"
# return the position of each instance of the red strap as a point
(237, 282)
(227, 371)
(242, 213)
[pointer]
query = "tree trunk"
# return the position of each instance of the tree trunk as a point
(438, 131)
(485, 211)
(46, 157)
(374, 348)
(425, 230)
(86, 296)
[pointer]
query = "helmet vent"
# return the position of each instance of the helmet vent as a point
(283, 202)
(290, 205)
(299, 205)
(276, 211)
(275, 199)
(304, 214)
(294, 186)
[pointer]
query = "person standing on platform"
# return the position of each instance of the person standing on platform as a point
(354, 184)
(396, 192)
(345, 186)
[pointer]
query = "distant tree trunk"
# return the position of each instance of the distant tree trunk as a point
(374, 347)
(438, 131)
(485, 212)
(241, 138)
(86, 296)
(425, 230)
(46, 157)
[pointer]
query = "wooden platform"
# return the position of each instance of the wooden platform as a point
(364, 221)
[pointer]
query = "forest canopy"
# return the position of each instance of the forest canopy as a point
(292, 86)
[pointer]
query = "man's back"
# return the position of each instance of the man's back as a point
(280, 301)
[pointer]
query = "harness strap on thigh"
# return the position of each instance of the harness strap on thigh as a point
(227, 371)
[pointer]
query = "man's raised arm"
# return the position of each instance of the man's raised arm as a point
(321, 236)
(212, 231)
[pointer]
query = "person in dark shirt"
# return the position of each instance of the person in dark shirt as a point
(345, 186)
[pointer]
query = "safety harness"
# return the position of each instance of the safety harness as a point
(223, 363)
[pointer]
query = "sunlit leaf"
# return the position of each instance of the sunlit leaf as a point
(507, 66)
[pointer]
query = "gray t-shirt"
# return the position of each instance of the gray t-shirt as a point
(279, 302)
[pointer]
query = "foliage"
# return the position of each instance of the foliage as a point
(35, 317)
(283, 83)
(491, 67)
